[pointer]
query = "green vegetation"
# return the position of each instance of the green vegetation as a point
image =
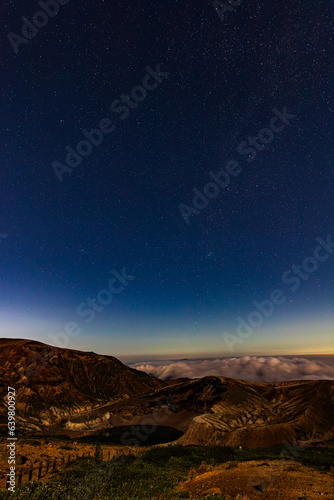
(155, 473)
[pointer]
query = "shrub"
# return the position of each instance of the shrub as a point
(98, 455)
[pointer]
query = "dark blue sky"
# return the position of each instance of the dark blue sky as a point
(119, 208)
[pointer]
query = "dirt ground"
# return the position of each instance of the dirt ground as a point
(272, 480)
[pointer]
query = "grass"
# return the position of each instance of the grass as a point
(154, 474)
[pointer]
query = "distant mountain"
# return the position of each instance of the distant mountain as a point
(86, 395)
(53, 382)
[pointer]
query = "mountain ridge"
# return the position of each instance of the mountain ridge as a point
(84, 394)
(58, 381)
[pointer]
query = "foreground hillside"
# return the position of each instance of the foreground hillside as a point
(176, 472)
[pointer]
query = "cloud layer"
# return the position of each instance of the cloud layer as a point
(257, 369)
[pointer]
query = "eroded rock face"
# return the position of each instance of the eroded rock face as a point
(88, 424)
(71, 392)
(223, 411)
(258, 414)
(53, 383)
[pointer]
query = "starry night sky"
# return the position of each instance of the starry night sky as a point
(119, 208)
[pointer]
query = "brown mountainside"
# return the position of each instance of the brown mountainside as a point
(224, 411)
(54, 381)
(63, 391)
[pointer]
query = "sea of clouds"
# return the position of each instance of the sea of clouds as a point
(255, 368)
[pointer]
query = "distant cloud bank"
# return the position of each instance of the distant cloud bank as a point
(255, 368)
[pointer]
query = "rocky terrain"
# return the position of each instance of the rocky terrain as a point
(85, 395)
(266, 414)
(53, 383)
(222, 411)
(273, 480)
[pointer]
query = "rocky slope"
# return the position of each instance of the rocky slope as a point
(80, 394)
(223, 411)
(52, 383)
(255, 415)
